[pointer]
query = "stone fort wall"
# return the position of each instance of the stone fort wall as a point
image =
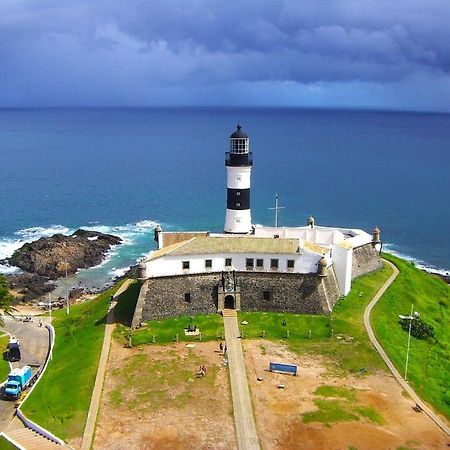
(297, 293)
(365, 259)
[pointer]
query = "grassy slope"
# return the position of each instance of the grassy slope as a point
(61, 400)
(348, 348)
(4, 365)
(6, 445)
(429, 362)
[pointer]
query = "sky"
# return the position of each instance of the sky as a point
(383, 54)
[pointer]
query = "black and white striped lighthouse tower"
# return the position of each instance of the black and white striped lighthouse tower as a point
(238, 162)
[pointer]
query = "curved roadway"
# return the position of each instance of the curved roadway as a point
(34, 343)
(389, 363)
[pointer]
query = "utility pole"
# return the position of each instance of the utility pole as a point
(67, 292)
(411, 318)
(50, 306)
(277, 208)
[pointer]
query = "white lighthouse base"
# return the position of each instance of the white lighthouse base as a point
(238, 221)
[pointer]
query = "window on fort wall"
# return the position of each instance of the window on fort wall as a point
(238, 204)
(208, 263)
(249, 262)
(260, 264)
(228, 262)
(267, 295)
(290, 263)
(187, 297)
(274, 263)
(185, 265)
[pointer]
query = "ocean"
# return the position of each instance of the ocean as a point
(121, 171)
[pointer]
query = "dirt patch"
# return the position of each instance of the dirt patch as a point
(382, 417)
(153, 399)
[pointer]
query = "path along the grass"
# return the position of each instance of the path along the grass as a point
(386, 359)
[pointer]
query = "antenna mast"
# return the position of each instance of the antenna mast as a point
(277, 208)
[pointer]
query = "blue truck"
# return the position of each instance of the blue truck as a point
(18, 380)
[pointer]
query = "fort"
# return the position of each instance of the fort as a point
(301, 269)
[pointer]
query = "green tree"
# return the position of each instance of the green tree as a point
(5, 297)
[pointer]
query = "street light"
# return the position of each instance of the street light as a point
(410, 318)
(67, 292)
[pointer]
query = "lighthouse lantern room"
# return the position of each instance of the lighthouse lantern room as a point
(238, 162)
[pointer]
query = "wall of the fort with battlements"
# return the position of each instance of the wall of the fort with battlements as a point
(198, 294)
(365, 259)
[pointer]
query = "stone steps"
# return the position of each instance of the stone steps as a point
(31, 440)
(229, 313)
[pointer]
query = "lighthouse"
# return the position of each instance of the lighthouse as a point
(239, 162)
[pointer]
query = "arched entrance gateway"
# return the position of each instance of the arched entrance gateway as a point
(229, 302)
(228, 292)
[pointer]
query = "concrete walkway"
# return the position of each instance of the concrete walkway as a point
(434, 417)
(247, 436)
(97, 392)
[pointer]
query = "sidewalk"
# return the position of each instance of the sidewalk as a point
(247, 436)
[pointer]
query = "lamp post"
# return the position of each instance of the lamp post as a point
(67, 292)
(411, 318)
(50, 306)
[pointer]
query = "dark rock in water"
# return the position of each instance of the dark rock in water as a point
(76, 293)
(48, 256)
(30, 286)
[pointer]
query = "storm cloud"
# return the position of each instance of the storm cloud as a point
(209, 52)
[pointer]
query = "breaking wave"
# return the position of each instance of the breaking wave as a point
(393, 250)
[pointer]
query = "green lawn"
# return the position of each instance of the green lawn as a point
(165, 331)
(341, 337)
(338, 404)
(429, 366)
(4, 364)
(61, 400)
(6, 445)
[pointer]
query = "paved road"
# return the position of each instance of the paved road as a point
(33, 345)
(247, 436)
(388, 362)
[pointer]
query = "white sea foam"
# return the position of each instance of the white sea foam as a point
(118, 272)
(33, 233)
(391, 248)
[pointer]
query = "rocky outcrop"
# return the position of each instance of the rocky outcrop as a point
(28, 286)
(51, 256)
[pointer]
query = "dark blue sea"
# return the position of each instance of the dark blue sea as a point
(122, 170)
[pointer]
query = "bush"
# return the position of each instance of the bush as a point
(419, 328)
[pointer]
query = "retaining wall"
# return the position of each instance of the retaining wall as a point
(297, 293)
(365, 259)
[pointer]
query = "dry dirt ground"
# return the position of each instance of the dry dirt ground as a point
(279, 411)
(152, 399)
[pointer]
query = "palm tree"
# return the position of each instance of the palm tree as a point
(5, 298)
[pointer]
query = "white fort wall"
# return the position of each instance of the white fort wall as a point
(173, 265)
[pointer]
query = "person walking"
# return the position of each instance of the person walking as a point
(221, 347)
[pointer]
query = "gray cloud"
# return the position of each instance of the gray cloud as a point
(120, 47)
